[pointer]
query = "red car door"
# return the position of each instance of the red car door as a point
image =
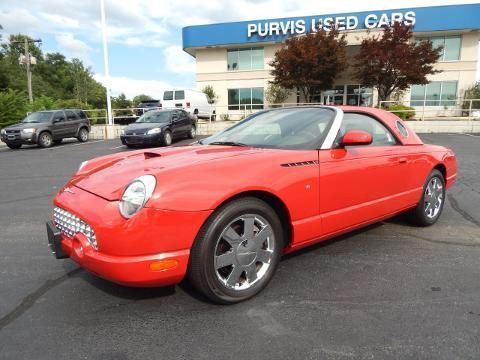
(360, 184)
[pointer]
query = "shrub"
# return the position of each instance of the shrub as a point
(224, 117)
(402, 111)
(13, 107)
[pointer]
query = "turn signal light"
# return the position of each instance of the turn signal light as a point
(163, 265)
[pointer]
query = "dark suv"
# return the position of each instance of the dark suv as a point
(46, 128)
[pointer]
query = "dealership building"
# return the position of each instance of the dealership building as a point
(234, 57)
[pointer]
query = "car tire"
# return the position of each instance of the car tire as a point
(14, 146)
(167, 138)
(431, 204)
(193, 132)
(213, 117)
(57, 142)
(45, 140)
(228, 262)
(83, 135)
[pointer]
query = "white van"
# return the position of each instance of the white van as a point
(193, 101)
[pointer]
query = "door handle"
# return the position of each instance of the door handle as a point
(403, 160)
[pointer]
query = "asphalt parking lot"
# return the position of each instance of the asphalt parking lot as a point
(388, 291)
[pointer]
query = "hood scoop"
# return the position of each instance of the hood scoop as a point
(150, 155)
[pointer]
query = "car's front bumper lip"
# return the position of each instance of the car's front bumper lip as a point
(144, 271)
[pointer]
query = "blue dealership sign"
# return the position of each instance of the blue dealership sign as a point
(425, 19)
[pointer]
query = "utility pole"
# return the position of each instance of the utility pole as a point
(28, 60)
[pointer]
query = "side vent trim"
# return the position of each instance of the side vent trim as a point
(301, 163)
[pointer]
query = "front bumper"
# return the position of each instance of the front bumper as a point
(19, 138)
(150, 249)
(139, 140)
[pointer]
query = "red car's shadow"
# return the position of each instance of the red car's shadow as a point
(135, 293)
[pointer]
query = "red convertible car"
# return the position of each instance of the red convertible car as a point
(223, 211)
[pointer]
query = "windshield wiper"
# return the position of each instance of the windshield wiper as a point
(227, 143)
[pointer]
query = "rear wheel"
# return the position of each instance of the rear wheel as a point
(213, 117)
(237, 251)
(14, 146)
(167, 138)
(82, 135)
(431, 204)
(45, 140)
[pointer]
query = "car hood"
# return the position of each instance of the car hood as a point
(108, 176)
(20, 126)
(143, 127)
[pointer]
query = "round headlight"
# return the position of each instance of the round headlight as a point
(3, 132)
(136, 195)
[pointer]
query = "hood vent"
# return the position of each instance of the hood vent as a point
(301, 163)
(149, 155)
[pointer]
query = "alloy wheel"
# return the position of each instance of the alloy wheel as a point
(244, 252)
(433, 198)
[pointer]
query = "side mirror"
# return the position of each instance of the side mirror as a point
(174, 118)
(356, 137)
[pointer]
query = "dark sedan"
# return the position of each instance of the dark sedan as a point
(159, 128)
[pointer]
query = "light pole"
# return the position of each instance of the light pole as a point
(105, 61)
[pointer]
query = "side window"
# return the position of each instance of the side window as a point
(381, 136)
(59, 116)
(179, 95)
(70, 115)
(81, 115)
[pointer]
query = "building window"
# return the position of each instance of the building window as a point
(437, 93)
(451, 46)
(245, 99)
(245, 59)
(358, 95)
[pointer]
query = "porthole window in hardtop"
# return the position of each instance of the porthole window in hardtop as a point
(402, 129)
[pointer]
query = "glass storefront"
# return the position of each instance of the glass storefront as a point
(354, 95)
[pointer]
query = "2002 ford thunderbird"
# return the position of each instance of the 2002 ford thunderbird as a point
(222, 212)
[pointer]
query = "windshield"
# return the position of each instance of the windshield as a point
(38, 117)
(300, 128)
(154, 117)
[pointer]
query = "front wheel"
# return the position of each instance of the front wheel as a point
(431, 204)
(167, 138)
(45, 140)
(237, 251)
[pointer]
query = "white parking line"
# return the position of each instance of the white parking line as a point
(117, 147)
(68, 145)
(472, 135)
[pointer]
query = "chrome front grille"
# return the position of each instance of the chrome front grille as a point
(70, 225)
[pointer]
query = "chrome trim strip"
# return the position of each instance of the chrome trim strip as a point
(332, 133)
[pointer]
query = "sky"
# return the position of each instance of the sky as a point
(145, 36)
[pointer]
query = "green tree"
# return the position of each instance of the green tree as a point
(276, 94)
(13, 107)
(140, 98)
(121, 102)
(211, 94)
